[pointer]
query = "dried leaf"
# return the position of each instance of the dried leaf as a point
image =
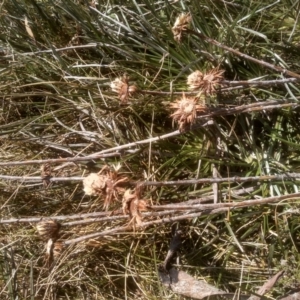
(28, 29)
(134, 211)
(267, 286)
(143, 205)
(133, 206)
(127, 198)
(182, 283)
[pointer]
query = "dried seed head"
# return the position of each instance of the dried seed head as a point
(107, 182)
(46, 170)
(48, 229)
(181, 24)
(195, 80)
(127, 198)
(117, 85)
(133, 206)
(122, 87)
(206, 82)
(186, 111)
(143, 205)
(132, 89)
(58, 248)
(94, 184)
(46, 174)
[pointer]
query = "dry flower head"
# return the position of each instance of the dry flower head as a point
(53, 250)
(49, 248)
(122, 87)
(48, 229)
(46, 170)
(57, 249)
(206, 82)
(186, 111)
(181, 24)
(105, 183)
(133, 206)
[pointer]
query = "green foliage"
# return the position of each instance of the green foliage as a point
(57, 102)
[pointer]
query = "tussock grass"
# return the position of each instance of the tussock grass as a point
(56, 102)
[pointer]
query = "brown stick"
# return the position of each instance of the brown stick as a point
(259, 106)
(243, 55)
(58, 160)
(289, 176)
(219, 208)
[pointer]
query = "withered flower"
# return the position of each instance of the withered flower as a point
(133, 206)
(48, 229)
(57, 249)
(206, 82)
(186, 111)
(181, 24)
(94, 184)
(122, 87)
(46, 174)
(195, 80)
(127, 198)
(53, 250)
(105, 183)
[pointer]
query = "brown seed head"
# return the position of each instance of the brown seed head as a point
(122, 87)
(195, 80)
(206, 82)
(186, 111)
(117, 85)
(128, 196)
(107, 182)
(181, 24)
(48, 229)
(94, 184)
(58, 248)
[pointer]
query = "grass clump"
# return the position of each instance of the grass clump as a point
(170, 115)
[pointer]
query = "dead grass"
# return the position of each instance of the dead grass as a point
(57, 103)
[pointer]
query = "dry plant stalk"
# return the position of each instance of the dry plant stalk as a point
(122, 87)
(104, 183)
(181, 24)
(186, 111)
(206, 82)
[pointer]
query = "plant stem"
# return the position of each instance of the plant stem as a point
(208, 209)
(243, 55)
